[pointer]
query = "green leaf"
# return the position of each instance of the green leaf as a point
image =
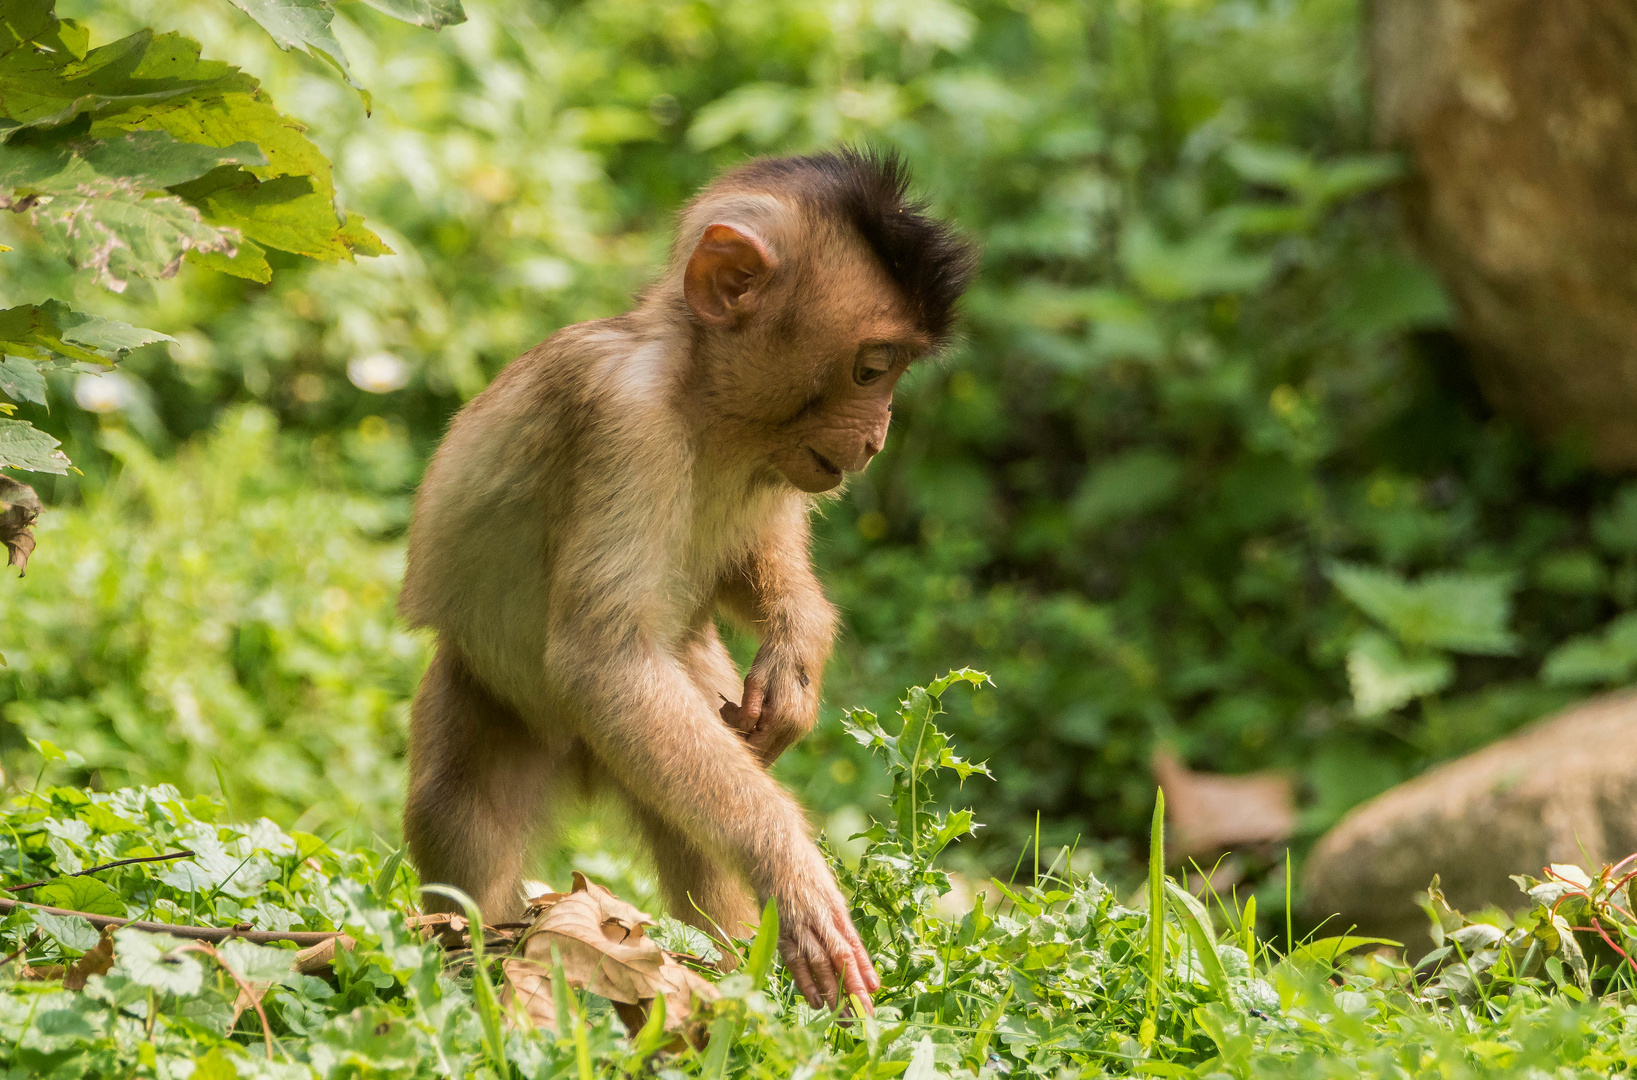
(1387, 295)
(1609, 656)
(1125, 486)
(255, 963)
(69, 931)
(1317, 183)
(1197, 922)
(24, 446)
(763, 949)
(1384, 679)
(300, 24)
(39, 88)
(1325, 950)
(54, 331)
(113, 230)
(434, 14)
(248, 261)
(1615, 529)
(1465, 613)
(106, 338)
(21, 380)
(150, 159)
(389, 873)
(81, 894)
(761, 112)
(287, 213)
(148, 960)
(1203, 263)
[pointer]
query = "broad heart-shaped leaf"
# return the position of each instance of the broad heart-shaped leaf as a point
(300, 24)
(21, 380)
(148, 960)
(53, 329)
(435, 14)
(69, 931)
(152, 159)
(81, 894)
(24, 446)
(1383, 678)
(115, 232)
(1465, 613)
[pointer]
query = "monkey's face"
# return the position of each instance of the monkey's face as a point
(842, 422)
(804, 352)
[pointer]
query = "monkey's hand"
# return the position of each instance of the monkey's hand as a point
(820, 946)
(780, 704)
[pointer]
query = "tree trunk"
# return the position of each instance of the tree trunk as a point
(1520, 120)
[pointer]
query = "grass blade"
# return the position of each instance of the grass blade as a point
(1156, 915)
(1197, 922)
(483, 991)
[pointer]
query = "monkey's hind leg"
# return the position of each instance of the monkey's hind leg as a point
(697, 888)
(478, 783)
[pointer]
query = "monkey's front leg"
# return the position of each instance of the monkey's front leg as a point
(781, 595)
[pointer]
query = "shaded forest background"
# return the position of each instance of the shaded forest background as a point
(1207, 471)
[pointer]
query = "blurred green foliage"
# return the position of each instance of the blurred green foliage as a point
(223, 617)
(1207, 469)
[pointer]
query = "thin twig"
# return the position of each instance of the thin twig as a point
(195, 933)
(105, 866)
(244, 988)
(22, 949)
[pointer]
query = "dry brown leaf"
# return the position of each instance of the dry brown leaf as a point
(603, 947)
(251, 991)
(19, 506)
(316, 959)
(97, 961)
(43, 973)
(1209, 813)
(530, 984)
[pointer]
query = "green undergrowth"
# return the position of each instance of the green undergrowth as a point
(1056, 979)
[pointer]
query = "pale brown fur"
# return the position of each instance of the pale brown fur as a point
(575, 534)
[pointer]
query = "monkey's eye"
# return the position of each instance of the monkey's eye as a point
(874, 361)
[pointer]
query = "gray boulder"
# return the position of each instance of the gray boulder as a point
(1563, 790)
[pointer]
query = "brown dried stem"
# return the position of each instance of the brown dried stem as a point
(183, 854)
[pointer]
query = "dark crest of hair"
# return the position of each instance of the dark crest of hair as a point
(928, 260)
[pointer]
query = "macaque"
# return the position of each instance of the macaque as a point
(588, 515)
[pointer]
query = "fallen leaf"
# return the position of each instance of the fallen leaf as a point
(602, 944)
(1209, 813)
(530, 984)
(316, 959)
(19, 506)
(250, 995)
(94, 962)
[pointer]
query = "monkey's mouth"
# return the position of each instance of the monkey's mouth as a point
(824, 463)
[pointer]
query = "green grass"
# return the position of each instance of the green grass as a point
(1058, 977)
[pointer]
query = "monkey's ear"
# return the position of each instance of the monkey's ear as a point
(722, 283)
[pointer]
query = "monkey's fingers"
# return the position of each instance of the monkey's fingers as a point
(849, 954)
(824, 969)
(795, 958)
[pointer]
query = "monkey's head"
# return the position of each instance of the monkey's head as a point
(813, 284)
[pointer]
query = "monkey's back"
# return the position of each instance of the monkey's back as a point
(485, 533)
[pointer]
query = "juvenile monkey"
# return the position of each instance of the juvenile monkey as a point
(588, 513)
